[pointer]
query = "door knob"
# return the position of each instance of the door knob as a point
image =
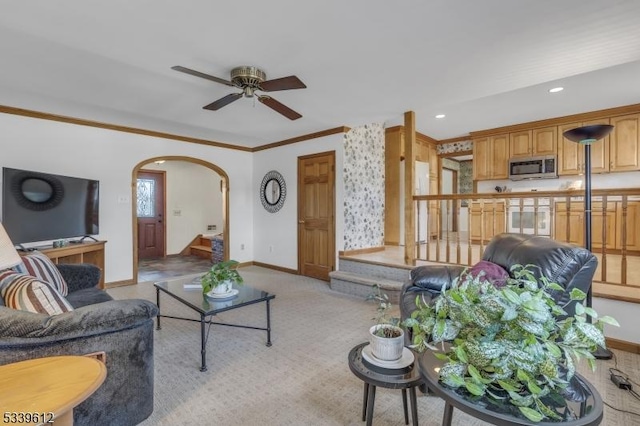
(301, 222)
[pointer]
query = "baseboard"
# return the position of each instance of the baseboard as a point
(276, 268)
(622, 345)
(360, 251)
(121, 283)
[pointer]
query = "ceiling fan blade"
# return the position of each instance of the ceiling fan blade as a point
(223, 101)
(202, 75)
(284, 83)
(278, 107)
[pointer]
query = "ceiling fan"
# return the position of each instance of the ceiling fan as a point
(251, 79)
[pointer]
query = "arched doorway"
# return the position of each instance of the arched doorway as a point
(134, 201)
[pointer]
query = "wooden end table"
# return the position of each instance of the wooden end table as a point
(45, 390)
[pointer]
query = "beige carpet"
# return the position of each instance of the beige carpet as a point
(303, 379)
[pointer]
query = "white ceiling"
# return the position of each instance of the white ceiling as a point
(483, 63)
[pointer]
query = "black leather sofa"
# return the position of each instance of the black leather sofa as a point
(566, 264)
(122, 329)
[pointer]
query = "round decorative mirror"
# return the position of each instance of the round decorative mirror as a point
(37, 191)
(273, 191)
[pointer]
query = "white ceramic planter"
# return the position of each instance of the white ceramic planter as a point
(223, 288)
(386, 348)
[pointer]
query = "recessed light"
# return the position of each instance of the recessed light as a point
(440, 116)
(556, 89)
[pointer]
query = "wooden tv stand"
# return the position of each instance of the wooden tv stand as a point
(91, 252)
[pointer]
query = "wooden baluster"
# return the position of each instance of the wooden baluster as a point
(469, 244)
(603, 262)
(552, 222)
(481, 227)
(429, 230)
(567, 233)
(449, 205)
(418, 248)
(536, 200)
(458, 253)
(493, 222)
(623, 263)
(438, 227)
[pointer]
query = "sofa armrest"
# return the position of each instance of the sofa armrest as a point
(433, 277)
(80, 275)
(425, 282)
(20, 328)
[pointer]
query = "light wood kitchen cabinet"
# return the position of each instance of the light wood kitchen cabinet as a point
(491, 157)
(487, 220)
(629, 227)
(534, 142)
(625, 143)
(571, 154)
(569, 225)
(520, 144)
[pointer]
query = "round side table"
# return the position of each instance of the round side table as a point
(587, 412)
(373, 376)
(45, 390)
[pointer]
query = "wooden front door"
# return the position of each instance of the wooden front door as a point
(316, 215)
(150, 213)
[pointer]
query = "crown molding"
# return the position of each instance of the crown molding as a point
(323, 133)
(585, 116)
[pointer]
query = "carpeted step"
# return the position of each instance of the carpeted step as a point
(361, 285)
(375, 269)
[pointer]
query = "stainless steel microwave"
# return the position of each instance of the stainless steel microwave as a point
(542, 167)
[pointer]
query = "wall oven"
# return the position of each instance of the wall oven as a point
(522, 217)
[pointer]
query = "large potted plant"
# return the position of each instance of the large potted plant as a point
(386, 336)
(221, 277)
(508, 343)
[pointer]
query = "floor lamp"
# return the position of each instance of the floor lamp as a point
(586, 136)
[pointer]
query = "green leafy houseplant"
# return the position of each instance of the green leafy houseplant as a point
(508, 343)
(221, 273)
(386, 338)
(383, 314)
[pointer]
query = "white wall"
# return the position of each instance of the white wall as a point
(110, 156)
(625, 313)
(280, 229)
(194, 200)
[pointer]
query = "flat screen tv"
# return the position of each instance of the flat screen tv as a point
(42, 206)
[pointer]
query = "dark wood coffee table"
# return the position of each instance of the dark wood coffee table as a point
(585, 413)
(208, 307)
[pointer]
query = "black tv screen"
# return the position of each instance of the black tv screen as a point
(42, 206)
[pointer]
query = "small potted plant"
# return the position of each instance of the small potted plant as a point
(221, 277)
(510, 344)
(386, 336)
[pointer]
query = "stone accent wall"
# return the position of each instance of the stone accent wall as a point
(364, 187)
(448, 148)
(465, 179)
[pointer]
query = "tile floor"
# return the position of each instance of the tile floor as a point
(171, 266)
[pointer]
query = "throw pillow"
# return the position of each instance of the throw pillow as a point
(489, 271)
(27, 293)
(40, 266)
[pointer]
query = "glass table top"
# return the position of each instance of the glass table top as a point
(189, 291)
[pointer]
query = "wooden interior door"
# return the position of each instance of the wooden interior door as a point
(150, 201)
(316, 215)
